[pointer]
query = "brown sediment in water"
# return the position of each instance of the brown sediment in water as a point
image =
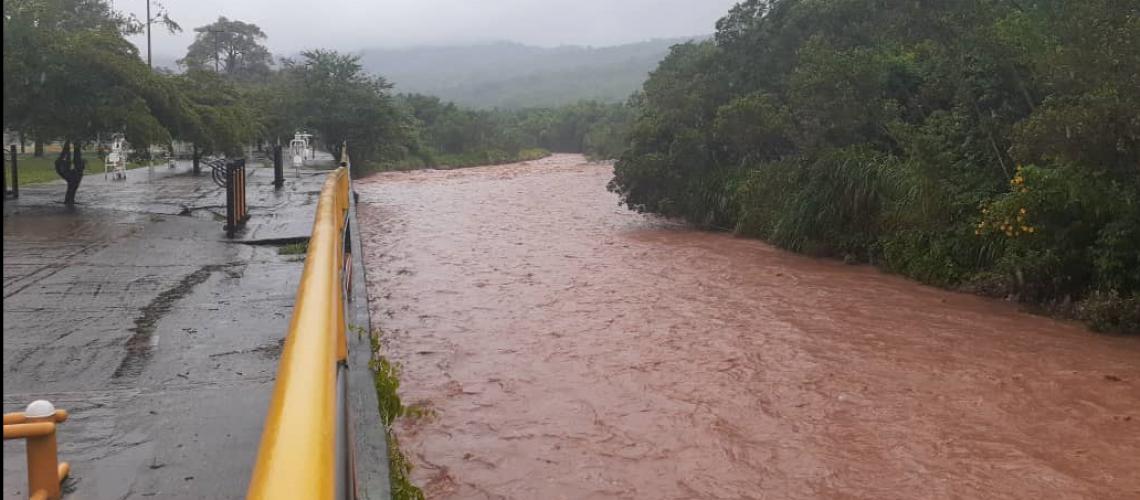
(569, 348)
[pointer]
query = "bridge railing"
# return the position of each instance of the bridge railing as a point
(304, 451)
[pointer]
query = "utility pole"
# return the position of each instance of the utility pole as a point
(148, 23)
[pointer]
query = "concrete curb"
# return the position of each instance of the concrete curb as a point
(368, 436)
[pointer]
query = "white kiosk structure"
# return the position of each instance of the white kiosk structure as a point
(116, 162)
(300, 147)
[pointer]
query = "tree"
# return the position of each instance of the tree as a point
(330, 93)
(224, 121)
(71, 74)
(590, 127)
(30, 28)
(230, 47)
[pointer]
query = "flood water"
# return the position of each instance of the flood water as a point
(561, 346)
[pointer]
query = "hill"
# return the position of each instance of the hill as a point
(512, 75)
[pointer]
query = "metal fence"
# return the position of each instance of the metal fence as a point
(305, 451)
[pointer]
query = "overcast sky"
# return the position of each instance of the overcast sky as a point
(293, 25)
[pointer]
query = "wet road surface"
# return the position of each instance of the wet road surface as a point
(559, 346)
(160, 338)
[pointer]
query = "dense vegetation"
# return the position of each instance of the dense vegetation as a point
(330, 94)
(514, 76)
(334, 95)
(982, 144)
(453, 136)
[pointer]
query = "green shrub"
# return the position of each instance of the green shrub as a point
(1111, 312)
(387, 383)
(1064, 232)
(830, 206)
(944, 258)
(471, 159)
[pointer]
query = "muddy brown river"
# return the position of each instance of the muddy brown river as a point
(559, 346)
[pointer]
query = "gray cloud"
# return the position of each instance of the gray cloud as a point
(353, 24)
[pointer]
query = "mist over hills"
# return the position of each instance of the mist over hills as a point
(513, 75)
(510, 75)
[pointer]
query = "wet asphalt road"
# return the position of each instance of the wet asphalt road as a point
(159, 337)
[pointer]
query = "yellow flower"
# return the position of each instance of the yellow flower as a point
(1022, 211)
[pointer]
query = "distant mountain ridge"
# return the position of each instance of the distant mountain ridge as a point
(513, 75)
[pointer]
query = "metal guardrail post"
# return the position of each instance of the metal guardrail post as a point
(278, 168)
(231, 216)
(15, 172)
(244, 195)
(344, 475)
(239, 185)
(37, 425)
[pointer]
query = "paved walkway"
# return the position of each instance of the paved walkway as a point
(161, 337)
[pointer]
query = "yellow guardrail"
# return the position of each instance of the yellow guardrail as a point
(303, 453)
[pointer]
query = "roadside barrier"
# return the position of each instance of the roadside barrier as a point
(278, 168)
(37, 425)
(305, 451)
(231, 175)
(15, 170)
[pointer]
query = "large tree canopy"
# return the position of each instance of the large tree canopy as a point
(329, 93)
(979, 143)
(69, 73)
(226, 121)
(230, 47)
